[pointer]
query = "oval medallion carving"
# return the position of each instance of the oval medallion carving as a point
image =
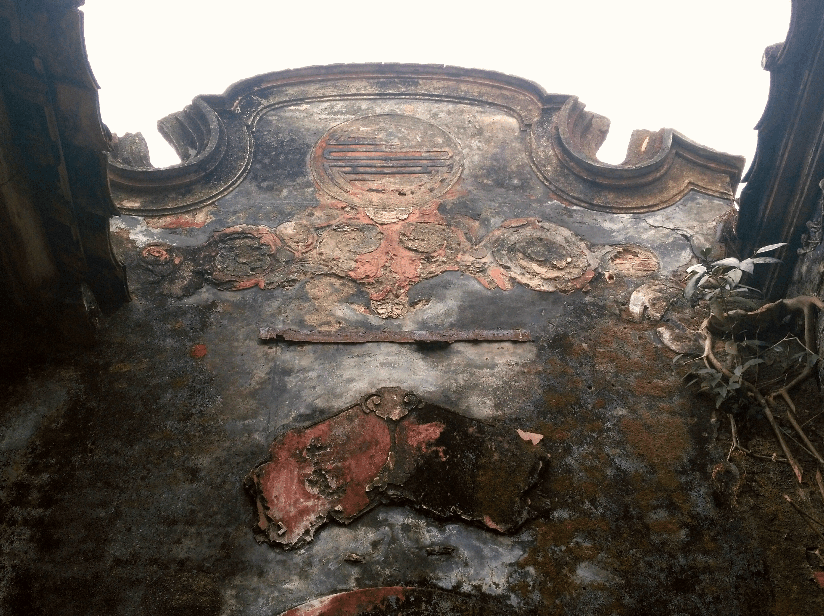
(388, 164)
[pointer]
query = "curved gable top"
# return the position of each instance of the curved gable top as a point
(214, 137)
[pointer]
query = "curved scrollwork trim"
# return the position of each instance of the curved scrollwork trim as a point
(660, 168)
(215, 152)
(214, 137)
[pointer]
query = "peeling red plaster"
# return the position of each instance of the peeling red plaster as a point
(501, 279)
(391, 446)
(326, 468)
(349, 603)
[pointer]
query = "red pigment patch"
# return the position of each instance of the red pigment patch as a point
(484, 282)
(323, 470)
(349, 603)
(248, 284)
(819, 577)
(155, 253)
(181, 222)
(420, 436)
(198, 351)
(583, 279)
(488, 521)
(192, 220)
(519, 222)
(341, 467)
(390, 263)
(264, 234)
(501, 279)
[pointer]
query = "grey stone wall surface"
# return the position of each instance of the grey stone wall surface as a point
(254, 431)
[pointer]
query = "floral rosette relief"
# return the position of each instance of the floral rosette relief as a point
(377, 223)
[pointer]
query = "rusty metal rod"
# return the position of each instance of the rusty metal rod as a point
(359, 336)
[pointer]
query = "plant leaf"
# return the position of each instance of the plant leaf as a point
(696, 268)
(748, 265)
(728, 262)
(764, 260)
(692, 285)
(752, 362)
(707, 279)
(733, 277)
(770, 247)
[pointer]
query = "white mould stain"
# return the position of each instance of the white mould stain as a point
(476, 380)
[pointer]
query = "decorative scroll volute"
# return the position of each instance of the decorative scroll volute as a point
(659, 169)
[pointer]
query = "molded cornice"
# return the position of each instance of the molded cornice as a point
(214, 138)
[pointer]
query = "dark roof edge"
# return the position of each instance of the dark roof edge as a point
(782, 182)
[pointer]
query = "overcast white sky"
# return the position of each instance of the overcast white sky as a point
(693, 66)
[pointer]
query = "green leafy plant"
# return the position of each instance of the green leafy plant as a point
(741, 372)
(723, 278)
(735, 313)
(720, 386)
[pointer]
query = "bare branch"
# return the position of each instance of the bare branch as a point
(712, 361)
(807, 518)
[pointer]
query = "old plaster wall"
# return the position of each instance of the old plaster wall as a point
(126, 470)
